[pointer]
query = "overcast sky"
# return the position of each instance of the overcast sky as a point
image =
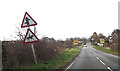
(60, 19)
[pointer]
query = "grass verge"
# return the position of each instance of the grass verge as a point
(107, 50)
(59, 62)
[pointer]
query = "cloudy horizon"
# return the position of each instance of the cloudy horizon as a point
(60, 19)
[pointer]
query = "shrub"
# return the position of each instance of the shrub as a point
(114, 47)
(16, 53)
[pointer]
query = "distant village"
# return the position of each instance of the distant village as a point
(95, 39)
(112, 41)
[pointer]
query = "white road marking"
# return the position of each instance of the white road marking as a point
(71, 64)
(97, 58)
(104, 64)
(109, 68)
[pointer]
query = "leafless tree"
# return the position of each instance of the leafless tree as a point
(20, 33)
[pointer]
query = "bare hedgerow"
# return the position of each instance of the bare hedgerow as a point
(114, 47)
(16, 53)
(45, 50)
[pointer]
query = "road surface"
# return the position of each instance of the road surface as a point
(90, 58)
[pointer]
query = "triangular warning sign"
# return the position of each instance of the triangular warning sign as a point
(30, 37)
(28, 21)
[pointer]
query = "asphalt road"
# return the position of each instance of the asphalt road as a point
(90, 58)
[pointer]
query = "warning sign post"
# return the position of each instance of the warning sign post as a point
(34, 53)
(30, 37)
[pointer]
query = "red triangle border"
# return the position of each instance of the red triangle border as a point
(31, 19)
(33, 34)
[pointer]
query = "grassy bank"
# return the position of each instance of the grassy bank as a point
(107, 50)
(59, 62)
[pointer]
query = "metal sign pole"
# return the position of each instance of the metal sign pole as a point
(34, 53)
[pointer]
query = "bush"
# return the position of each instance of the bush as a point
(45, 50)
(16, 54)
(114, 47)
(106, 44)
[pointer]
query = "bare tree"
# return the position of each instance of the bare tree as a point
(20, 33)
